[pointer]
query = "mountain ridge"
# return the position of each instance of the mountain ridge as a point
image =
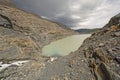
(87, 31)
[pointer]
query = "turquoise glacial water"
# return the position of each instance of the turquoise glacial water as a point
(64, 46)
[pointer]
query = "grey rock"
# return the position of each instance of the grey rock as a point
(5, 22)
(101, 44)
(117, 34)
(118, 59)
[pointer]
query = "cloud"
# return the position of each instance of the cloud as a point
(74, 13)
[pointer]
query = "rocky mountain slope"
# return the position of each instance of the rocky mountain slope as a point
(7, 3)
(102, 51)
(22, 35)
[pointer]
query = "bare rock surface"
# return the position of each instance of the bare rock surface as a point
(102, 51)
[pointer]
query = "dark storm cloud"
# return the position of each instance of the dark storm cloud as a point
(74, 13)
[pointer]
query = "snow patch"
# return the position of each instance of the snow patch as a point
(17, 63)
(53, 58)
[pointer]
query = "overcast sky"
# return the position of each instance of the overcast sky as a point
(75, 14)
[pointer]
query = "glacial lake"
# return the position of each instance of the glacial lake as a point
(64, 46)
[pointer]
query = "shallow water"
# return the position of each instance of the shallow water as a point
(64, 46)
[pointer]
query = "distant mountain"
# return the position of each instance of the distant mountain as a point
(87, 31)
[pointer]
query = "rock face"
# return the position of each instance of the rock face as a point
(102, 51)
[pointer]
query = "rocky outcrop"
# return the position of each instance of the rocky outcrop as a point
(5, 22)
(102, 51)
(114, 21)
